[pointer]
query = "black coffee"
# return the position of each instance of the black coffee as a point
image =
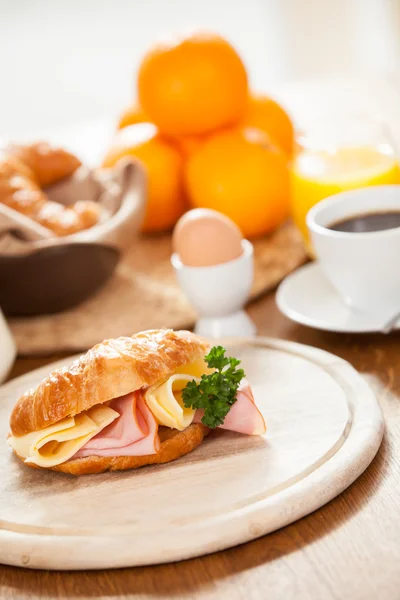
(378, 221)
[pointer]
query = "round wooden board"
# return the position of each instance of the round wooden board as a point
(324, 428)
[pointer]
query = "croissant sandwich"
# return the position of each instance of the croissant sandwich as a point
(132, 401)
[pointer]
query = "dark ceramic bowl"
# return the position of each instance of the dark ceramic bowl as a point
(40, 275)
(55, 278)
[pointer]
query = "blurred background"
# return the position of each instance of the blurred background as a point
(69, 75)
(66, 62)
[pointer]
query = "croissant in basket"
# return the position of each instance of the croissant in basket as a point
(25, 170)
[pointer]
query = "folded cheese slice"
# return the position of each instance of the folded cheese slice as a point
(58, 443)
(165, 402)
(165, 399)
(196, 369)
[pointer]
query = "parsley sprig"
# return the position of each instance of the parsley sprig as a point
(216, 392)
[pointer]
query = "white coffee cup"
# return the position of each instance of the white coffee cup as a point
(8, 349)
(363, 267)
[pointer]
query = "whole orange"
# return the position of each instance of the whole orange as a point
(132, 115)
(266, 114)
(193, 85)
(163, 163)
(240, 174)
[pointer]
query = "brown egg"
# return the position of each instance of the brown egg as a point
(205, 237)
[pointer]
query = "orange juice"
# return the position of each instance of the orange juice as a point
(319, 173)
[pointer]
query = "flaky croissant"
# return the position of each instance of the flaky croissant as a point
(18, 188)
(47, 163)
(25, 170)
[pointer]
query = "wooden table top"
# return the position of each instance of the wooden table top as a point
(350, 548)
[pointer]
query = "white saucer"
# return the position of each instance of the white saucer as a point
(308, 298)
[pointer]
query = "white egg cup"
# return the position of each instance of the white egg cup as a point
(8, 348)
(219, 293)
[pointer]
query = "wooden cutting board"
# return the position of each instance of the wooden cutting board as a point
(324, 428)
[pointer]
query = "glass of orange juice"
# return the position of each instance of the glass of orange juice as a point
(337, 154)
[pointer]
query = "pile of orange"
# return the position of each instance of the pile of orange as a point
(204, 139)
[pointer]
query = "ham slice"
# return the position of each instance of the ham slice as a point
(244, 416)
(134, 433)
